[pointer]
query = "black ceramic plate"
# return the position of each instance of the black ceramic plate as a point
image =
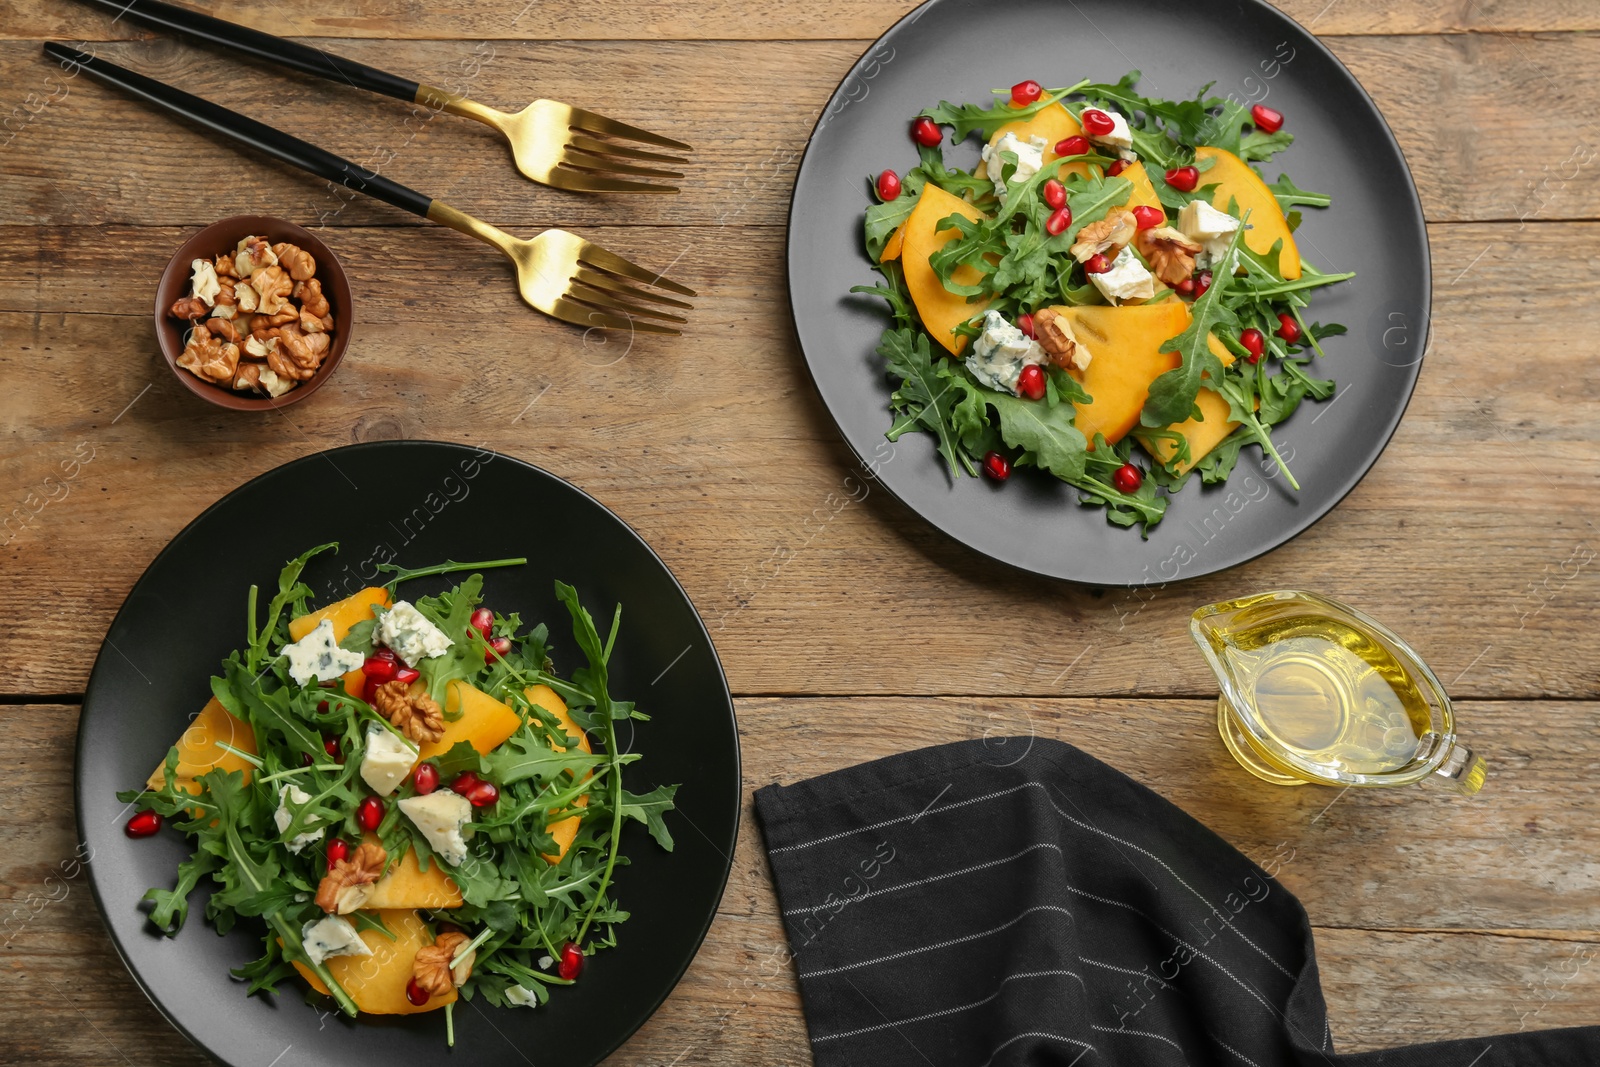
(424, 503)
(958, 50)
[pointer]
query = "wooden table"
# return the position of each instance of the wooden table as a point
(849, 628)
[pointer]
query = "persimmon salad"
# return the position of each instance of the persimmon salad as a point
(406, 797)
(1113, 272)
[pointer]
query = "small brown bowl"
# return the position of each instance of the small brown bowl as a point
(221, 237)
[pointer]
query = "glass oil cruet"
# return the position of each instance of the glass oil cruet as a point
(1314, 692)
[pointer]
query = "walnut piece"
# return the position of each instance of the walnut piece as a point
(244, 293)
(203, 281)
(225, 267)
(262, 324)
(1054, 333)
(1108, 236)
(209, 357)
(190, 307)
(348, 885)
(274, 385)
(248, 377)
(414, 714)
(272, 286)
(304, 349)
(259, 348)
(296, 260)
(1170, 252)
(225, 329)
(311, 297)
(431, 967)
(252, 254)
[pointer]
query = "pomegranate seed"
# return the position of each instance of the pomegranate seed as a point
(1030, 383)
(1288, 329)
(484, 795)
(1117, 167)
(1148, 217)
(1201, 284)
(337, 850)
(330, 745)
(1266, 119)
(997, 466)
(406, 675)
(501, 645)
(1097, 264)
(571, 964)
(380, 668)
(425, 779)
(1058, 221)
(1096, 123)
(370, 814)
(465, 783)
(416, 994)
(1185, 287)
(322, 707)
(1025, 93)
(144, 824)
(306, 759)
(888, 189)
(1127, 478)
(1054, 193)
(1025, 324)
(1183, 179)
(1254, 342)
(1072, 146)
(482, 619)
(926, 132)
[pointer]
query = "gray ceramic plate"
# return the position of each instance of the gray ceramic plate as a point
(426, 503)
(959, 50)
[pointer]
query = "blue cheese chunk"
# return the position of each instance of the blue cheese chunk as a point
(1212, 229)
(1126, 280)
(293, 794)
(387, 760)
(1030, 157)
(522, 998)
(318, 655)
(442, 816)
(409, 633)
(331, 936)
(1000, 352)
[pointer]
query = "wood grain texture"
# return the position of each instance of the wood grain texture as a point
(81, 154)
(1485, 923)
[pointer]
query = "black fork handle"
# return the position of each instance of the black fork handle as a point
(245, 131)
(235, 38)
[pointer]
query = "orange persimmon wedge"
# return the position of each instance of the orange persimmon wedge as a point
(484, 721)
(198, 748)
(377, 983)
(406, 885)
(941, 310)
(565, 831)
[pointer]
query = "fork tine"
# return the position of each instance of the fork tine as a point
(595, 256)
(575, 157)
(572, 311)
(594, 144)
(586, 181)
(593, 294)
(617, 287)
(588, 120)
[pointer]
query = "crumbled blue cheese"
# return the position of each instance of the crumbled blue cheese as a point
(331, 936)
(522, 998)
(318, 655)
(288, 794)
(442, 817)
(1000, 352)
(1030, 157)
(409, 633)
(1120, 137)
(1203, 223)
(1126, 280)
(387, 760)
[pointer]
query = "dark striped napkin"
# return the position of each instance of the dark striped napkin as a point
(1015, 901)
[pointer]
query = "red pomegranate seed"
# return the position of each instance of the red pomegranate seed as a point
(330, 745)
(1096, 123)
(1254, 342)
(997, 466)
(1025, 93)
(1148, 217)
(1201, 284)
(1266, 119)
(1025, 324)
(1183, 179)
(1058, 221)
(380, 668)
(1127, 478)
(1185, 287)
(1030, 383)
(1117, 167)
(1054, 193)
(337, 850)
(501, 645)
(1288, 329)
(484, 795)
(406, 675)
(1097, 264)
(144, 824)
(322, 707)
(306, 759)
(370, 814)
(465, 783)
(1072, 146)
(416, 994)
(482, 619)
(888, 189)
(926, 132)
(571, 964)
(425, 779)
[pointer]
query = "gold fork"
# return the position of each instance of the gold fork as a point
(559, 273)
(553, 143)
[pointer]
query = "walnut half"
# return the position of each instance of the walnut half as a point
(414, 714)
(1109, 236)
(1170, 252)
(348, 885)
(1054, 333)
(209, 357)
(431, 967)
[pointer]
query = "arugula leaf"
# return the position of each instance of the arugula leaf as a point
(1290, 195)
(524, 756)
(965, 118)
(1172, 394)
(451, 611)
(649, 808)
(1046, 432)
(1259, 147)
(927, 395)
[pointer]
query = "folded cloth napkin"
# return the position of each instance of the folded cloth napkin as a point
(1015, 901)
